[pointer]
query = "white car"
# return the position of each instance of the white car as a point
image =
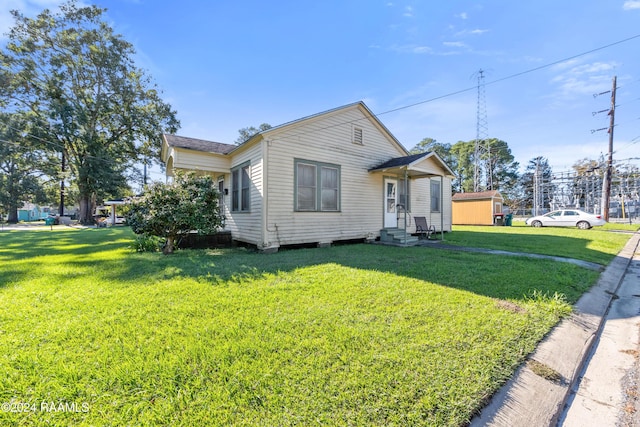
(566, 218)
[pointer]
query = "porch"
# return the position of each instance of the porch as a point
(398, 213)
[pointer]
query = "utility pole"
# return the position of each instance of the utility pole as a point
(536, 188)
(606, 183)
(144, 179)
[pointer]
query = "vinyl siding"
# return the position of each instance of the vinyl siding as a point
(328, 139)
(246, 226)
(420, 193)
(199, 160)
(435, 217)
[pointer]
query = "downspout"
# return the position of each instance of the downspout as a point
(265, 194)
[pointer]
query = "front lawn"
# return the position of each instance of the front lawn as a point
(599, 244)
(347, 335)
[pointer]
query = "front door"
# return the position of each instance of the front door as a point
(390, 202)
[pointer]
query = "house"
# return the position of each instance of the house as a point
(32, 212)
(480, 208)
(333, 176)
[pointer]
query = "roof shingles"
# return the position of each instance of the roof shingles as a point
(199, 144)
(475, 196)
(399, 161)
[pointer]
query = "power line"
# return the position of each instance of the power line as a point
(429, 100)
(468, 89)
(512, 76)
(59, 146)
(56, 144)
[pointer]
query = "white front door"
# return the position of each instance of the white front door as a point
(390, 202)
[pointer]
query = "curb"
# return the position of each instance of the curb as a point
(531, 400)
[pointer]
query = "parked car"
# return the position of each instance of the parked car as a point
(566, 218)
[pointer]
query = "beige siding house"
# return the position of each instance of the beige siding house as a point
(334, 176)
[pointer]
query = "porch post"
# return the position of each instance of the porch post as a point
(406, 202)
(442, 208)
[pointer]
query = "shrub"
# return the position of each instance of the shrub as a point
(172, 210)
(146, 243)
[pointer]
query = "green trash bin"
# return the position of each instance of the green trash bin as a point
(508, 218)
(50, 221)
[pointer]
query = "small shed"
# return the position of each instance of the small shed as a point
(482, 208)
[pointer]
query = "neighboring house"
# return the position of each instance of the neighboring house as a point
(482, 208)
(32, 212)
(334, 176)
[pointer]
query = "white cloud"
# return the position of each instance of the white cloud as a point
(584, 79)
(411, 48)
(476, 32)
(454, 44)
(631, 4)
(422, 49)
(408, 12)
(596, 67)
(566, 64)
(463, 15)
(563, 155)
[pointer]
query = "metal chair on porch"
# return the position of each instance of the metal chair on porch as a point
(422, 229)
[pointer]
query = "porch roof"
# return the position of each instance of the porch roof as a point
(422, 165)
(198, 144)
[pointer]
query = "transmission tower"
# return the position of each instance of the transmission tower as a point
(482, 152)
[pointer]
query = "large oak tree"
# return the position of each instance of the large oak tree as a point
(77, 76)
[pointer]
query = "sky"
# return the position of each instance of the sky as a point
(228, 64)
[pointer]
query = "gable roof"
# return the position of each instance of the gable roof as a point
(399, 162)
(368, 115)
(491, 194)
(225, 149)
(412, 165)
(198, 144)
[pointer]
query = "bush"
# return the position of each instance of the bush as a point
(146, 243)
(175, 209)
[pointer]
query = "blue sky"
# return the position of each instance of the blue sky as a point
(225, 65)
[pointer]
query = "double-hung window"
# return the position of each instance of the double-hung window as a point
(317, 187)
(435, 195)
(403, 194)
(241, 188)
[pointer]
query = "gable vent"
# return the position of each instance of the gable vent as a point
(357, 135)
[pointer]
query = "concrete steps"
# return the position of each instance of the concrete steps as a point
(396, 236)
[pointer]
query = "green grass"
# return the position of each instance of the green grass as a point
(598, 244)
(348, 335)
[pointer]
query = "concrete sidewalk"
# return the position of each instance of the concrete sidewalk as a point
(602, 394)
(588, 353)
